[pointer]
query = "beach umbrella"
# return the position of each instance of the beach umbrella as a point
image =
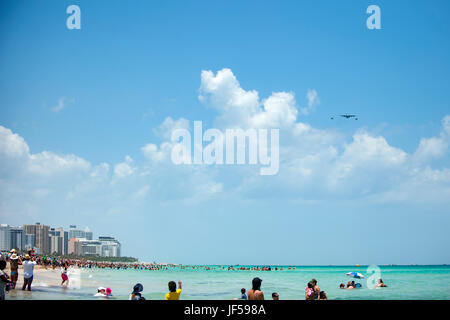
(356, 275)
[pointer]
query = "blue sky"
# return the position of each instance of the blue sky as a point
(374, 190)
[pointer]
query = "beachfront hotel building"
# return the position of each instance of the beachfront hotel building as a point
(55, 241)
(103, 247)
(11, 237)
(5, 238)
(41, 236)
(110, 247)
(74, 246)
(17, 236)
(80, 234)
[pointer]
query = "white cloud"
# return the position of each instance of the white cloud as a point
(315, 164)
(62, 103)
(164, 130)
(318, 163)
(313, 100)
(124, 169)
(240, 108)
(161, 154)
(12, 145)
(434, 147)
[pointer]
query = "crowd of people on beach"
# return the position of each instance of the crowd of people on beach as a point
(29, 260)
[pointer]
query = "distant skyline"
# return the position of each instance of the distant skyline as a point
(86, 118)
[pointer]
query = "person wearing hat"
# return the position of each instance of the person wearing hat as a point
(101, 292)
(136, 294)
(14, 262)
(28, 267)
(255, 293)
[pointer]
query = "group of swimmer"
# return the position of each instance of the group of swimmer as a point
(29, 260)
(353, 285)
(312, 291)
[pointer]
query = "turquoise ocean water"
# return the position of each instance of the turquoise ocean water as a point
(404, 282)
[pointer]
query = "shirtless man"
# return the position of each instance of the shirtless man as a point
(255, 293)
(316, 288)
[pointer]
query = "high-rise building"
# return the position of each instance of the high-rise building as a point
(74, 247)
(88, 234)
(65, 240)
(17, 238)
(110, 247)
(80, 234)
(5, 237)
(91, 247)
(56, 245)
(55, 241)
(30, 241)
(41, 236)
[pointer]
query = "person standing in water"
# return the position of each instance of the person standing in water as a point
(255, 293)
(316, 288)
(14, 262)
(4, 279)
(309, 291)
(174, 293)
(136, 294)
(28, 267)
(64, 277)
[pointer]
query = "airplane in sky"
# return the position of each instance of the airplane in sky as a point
(347, 116)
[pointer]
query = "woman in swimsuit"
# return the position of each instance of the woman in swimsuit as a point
(255, 293)
(14, 262)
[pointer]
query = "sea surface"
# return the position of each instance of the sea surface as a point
(404, 282)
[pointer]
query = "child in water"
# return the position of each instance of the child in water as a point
(64, 277)
(174, 294)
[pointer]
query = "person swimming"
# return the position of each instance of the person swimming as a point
(275, 296)
(101, 292)
(380, 284)
(342, 286)
(255, 293)
(323, 296)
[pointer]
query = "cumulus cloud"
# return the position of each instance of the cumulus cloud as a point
(164, 130)
(434, 147)
(240, 108)
(315, 164)
(124, 169)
